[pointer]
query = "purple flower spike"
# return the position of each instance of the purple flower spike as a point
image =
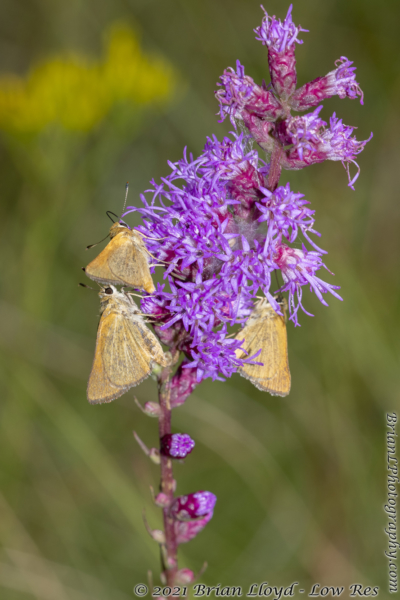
(176, 445)
(221, 221)
(193, 506)
(220, 225)
(340, 82)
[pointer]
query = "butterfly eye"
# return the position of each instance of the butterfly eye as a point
(108, 291)
(123, 224)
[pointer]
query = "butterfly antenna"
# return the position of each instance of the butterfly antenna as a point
(97, 243)
(151, 238)
(132, 294)
(126, 195)
(86, 286)
(109, 213)
(178, 275)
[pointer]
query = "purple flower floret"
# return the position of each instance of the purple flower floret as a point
(338, 144)
(277, 35)
(239, 92)
(298, 268)
(286, 214)
(310, 141)
(341, 82)
(176, 445)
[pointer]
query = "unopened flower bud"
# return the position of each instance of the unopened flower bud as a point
(152, 409)
(161, 500)
(184, 576)
(176, 445)
(182, 384)
(154, 456)
(171, 562)
(193, 506)
(158, 536)
(156, 371)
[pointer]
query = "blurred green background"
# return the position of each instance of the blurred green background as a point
(96, 93)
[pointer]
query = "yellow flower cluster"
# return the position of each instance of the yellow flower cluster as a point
(78, 93)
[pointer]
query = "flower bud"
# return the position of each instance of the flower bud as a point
(182, 384)
(154, 456)
(171, 562)
(187, 530)
(184, 576)
(193, 506)
(176, 445)
(158, 536)
(161, 500)
(152, 409)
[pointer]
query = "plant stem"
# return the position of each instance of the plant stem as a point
(167, 484)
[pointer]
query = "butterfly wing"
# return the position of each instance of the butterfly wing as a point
(148, 342)
(122, 262)
(267, 331)
(120, 360)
